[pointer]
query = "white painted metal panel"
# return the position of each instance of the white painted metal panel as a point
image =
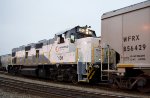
(127, 31)
(63, 53)
(112, 33)
(136, 37)
(126, 9)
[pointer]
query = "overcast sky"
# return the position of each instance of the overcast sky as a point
(28, 21)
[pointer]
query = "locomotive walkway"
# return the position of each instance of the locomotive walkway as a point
(60, 90)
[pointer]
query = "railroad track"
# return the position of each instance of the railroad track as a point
(45, 90)
(63, 92)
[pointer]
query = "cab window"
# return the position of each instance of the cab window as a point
(72, 38)
(61, 39)
(26, 55)
(37, 53)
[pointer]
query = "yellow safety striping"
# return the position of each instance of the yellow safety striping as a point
(92, 75)
(53, 62)
(18, 61)
(124, 65)
(93, 55)
(89, 74)
(102, 55)
(77, 55)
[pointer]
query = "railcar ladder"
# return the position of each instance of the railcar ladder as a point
(105, 68)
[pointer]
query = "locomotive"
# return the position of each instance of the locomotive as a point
(5, 60)
(121, 56)
(73, 55)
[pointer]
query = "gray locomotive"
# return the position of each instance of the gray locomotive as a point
(5, 60)
(73, 55)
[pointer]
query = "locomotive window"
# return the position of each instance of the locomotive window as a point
(61, 39)
(85, 32)
(14, 60)
(37, 53)
(27, 48)
(39, 45)
(72, 38)
(13, 54)
(26, 55)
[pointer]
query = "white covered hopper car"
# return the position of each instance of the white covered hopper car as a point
(127, 31)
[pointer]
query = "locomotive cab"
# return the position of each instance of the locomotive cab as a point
(78, 47)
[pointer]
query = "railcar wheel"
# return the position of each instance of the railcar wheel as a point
(143, 85)
(112, 82)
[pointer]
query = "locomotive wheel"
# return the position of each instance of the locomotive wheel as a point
(11, 70)
(74, 79)
(41, 73)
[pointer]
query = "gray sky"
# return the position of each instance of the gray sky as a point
(28, 21)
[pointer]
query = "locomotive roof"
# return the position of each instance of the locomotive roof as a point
(63, 32)
(32, 45)
(42, 41)
(5, 55)
(50, 41)
(126, 9)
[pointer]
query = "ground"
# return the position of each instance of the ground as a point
(7, 93)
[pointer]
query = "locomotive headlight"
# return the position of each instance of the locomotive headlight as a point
(87, 31)
(81, 30)
(90, 32)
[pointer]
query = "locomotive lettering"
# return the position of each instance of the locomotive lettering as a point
(57, 49)
(64, 46)
(60, 57)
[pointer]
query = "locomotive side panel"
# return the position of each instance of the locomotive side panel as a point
(63, 53)
(5, 60)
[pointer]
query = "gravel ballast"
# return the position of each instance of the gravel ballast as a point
(7, 93)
